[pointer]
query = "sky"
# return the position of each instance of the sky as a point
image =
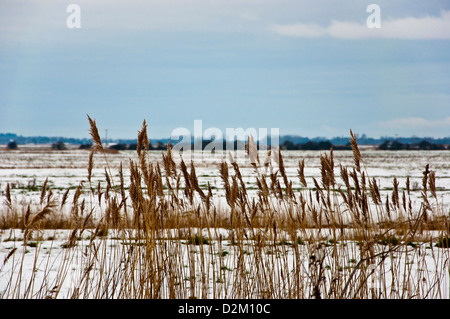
(309, 68)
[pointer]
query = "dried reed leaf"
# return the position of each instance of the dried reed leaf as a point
(43, 190)
(301, 172)
(142, 141)
(432, 183)
(9, 255)
(8, 196)
(93, 131)
(90, 164)
(356, 153)
(252, 150)
(64, 197)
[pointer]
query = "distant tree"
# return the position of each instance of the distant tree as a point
(395, 146)
(346, 147)
(310, 145)
(85, 146)
(133, 147)
(288, 145)
(425, 145)
(12, 145)
(160, 146)
(384, 146)
(316, 146)
(392, 146)
(59, 146)
(119, 147)
(324, 145)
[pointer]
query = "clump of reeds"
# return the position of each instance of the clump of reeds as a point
(333, 238)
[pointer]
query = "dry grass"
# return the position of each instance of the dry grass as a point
(175, 242)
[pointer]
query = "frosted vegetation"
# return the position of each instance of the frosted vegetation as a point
(267, 224)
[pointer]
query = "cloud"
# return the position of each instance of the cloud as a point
(414, 126)
(300, 30)
(416, 122)
(428, 27)
(405, 126)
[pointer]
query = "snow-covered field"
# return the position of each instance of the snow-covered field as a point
(45, 268)
(111, 268)
(26, 170)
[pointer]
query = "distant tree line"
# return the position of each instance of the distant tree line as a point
(422, 145)
(60, 146)
(5, 138)
(287, 142)
(133, 146)
(365, 140)
(313, 146)
(287, 145)
(12, 145)
(386, 145)
(162, 145)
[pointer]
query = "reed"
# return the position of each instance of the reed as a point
(165, 236)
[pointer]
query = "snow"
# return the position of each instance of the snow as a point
(58, 272)
(47, 269)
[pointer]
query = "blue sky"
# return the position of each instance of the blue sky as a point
(310, 68)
